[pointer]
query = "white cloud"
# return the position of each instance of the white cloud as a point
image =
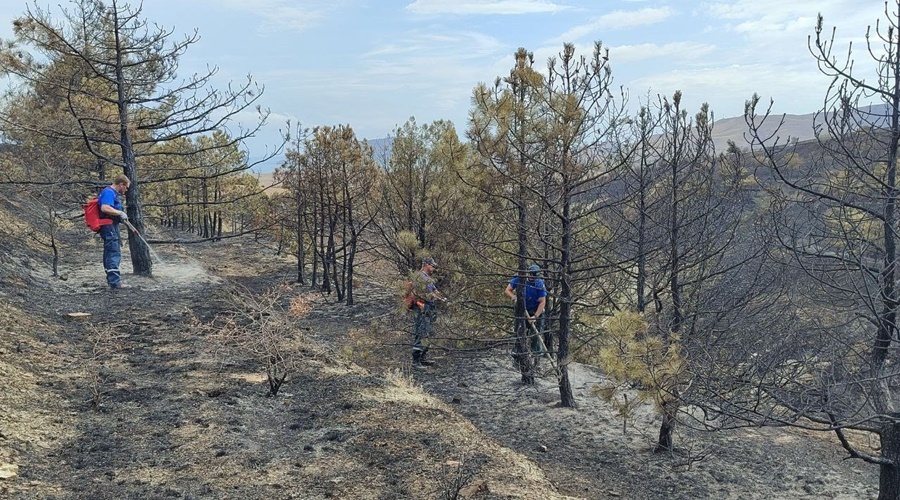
(645, 51)
(464, 7)
(279, 119)
(291, 18)
(464, 45)
(775, 9)
(441, 66)
(762, 18)
(795, 90)
(617, 20)
(776, 32)
(381, 94)
(444, 66)
(279, 14)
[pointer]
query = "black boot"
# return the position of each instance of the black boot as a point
(418, 356)
(423, 358)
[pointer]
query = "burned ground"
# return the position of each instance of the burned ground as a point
(133, 402)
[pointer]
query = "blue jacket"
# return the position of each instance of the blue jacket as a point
(109, 196)
(534, 291)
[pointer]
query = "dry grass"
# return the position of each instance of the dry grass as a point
(266, 180)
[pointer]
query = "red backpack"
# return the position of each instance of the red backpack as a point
(410, 299)
(92, 215)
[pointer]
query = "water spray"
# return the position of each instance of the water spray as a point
(135, 231)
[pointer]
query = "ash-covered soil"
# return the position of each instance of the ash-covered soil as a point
(133, 401)
(129, 400)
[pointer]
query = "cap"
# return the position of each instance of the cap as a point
(534, 269)
(428, 261)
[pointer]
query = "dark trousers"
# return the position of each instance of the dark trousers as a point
(112, 253)
(425, 317)
(534, 338)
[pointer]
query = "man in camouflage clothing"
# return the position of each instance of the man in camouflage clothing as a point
(426, 294)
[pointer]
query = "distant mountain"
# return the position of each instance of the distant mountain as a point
(266, 179)
(798, 127)
(381, 149)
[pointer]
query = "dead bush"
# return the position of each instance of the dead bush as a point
(376, 347)
(107, 344)
(258, 327)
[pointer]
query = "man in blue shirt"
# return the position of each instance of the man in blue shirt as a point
(112, 210)
(535, 301)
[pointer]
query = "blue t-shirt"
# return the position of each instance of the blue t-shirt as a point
(423, 286)
(109, 196)
(534, 291)
(429, 283)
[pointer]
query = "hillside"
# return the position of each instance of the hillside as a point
(797, 127)
(136, 402)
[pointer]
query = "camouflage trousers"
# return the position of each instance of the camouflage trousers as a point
(425, 318)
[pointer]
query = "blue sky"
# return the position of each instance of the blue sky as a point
(374, 63)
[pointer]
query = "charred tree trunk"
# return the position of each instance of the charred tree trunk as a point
(140, 253)
(328, 261)
(204, 209)
(666, 431)
(342, 278)
(566, 397)
(889, 477)
(667, 427)
(55, 250)
(643, 187)
(351, 256)
(523, 357)
(312, 246)
(301, 246)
